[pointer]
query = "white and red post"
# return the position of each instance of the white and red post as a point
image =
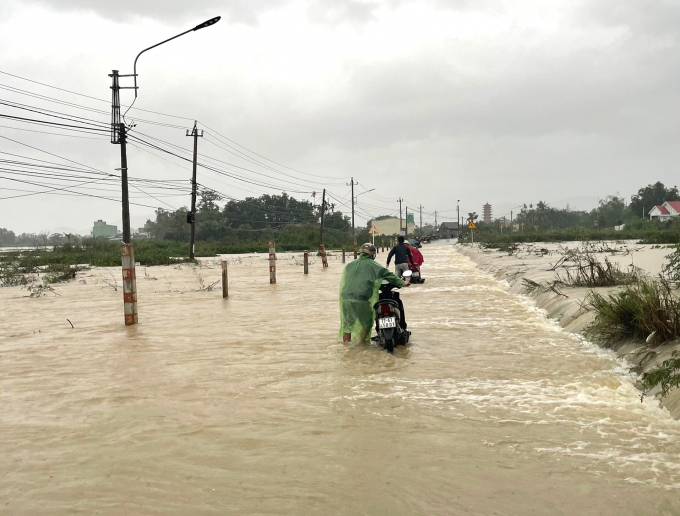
(322, 252)
(129, 285)
(272, 263)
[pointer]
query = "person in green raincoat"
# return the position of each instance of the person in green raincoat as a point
(359, 286)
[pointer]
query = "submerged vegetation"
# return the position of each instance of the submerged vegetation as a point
(581, 267)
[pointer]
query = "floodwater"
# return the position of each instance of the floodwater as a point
(251, 405)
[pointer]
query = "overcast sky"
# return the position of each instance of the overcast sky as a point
(509, 102)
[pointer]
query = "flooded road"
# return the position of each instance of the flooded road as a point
(251, 405)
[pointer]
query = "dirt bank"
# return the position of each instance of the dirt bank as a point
(536, 262)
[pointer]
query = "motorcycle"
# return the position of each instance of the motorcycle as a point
(390, 319)
(415, 273)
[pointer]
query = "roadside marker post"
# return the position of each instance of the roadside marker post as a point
(322, 252)
(225, 280)
(343, 255)
(272, 263)
(129, 285)
(306, 262)
(472, 227)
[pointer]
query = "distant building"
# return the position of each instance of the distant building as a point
(665, 211)
(487, 213)
(141, 233)
(448, 228)
(391, 226)
(102, 229)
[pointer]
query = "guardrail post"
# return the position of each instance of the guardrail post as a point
(272, 263)
(306, 262)
(225, 280)
(129, 285)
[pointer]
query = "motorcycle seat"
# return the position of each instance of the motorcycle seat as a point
(386, 302)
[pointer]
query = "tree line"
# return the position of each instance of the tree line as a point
(611, 211)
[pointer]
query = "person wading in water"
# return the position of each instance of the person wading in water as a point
(402, 254)
(359, 286)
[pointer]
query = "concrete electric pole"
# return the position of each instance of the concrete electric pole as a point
(191, 216)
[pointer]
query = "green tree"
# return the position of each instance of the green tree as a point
(7, 238)
(610, 212)
(650, 196)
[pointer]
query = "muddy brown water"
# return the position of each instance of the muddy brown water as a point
(251, 405)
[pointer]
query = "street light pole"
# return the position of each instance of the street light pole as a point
(119, 137)
(211, 21)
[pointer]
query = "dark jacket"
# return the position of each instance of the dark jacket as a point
(401, 254)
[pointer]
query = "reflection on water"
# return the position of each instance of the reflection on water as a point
(251, 406)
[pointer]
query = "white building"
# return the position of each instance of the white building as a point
(391, 227)
(666, 211)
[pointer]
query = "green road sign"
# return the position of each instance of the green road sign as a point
(410, 219)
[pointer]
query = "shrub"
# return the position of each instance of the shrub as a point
(668, 376)
(635, 312)
(672, 268)
(589, 271)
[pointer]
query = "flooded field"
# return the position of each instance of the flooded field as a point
(251, 405)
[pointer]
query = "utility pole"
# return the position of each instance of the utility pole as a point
(322, 249)
(435, 221)
(354, 235)
(458, 215)
(119, 137)
(406, 230)
(127, 237)
(191, 216)
(323, 209)
(400, 200)
(421, 221)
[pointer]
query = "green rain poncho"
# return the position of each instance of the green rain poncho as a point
(359, 286)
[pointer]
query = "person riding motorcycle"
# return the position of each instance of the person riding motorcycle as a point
(402, 254)
(359, 287)
(415, 263)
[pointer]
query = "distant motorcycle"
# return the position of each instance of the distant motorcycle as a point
(390, 319)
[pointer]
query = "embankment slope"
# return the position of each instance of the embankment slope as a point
(532, 262)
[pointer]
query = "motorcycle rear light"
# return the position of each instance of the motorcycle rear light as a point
(384, 310)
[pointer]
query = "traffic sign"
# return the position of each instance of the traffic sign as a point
(373, 230)
(471, 225)
(410, 218)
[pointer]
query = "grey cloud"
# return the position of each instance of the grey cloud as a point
(237, 11)
(659, 17)
(331, 12)
(596, 119)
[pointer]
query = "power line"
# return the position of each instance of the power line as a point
(88, 96)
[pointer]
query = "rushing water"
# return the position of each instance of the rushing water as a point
(251, 405)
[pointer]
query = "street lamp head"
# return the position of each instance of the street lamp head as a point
(208, 23)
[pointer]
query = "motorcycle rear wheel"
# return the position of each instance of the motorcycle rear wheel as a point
(388, 344)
